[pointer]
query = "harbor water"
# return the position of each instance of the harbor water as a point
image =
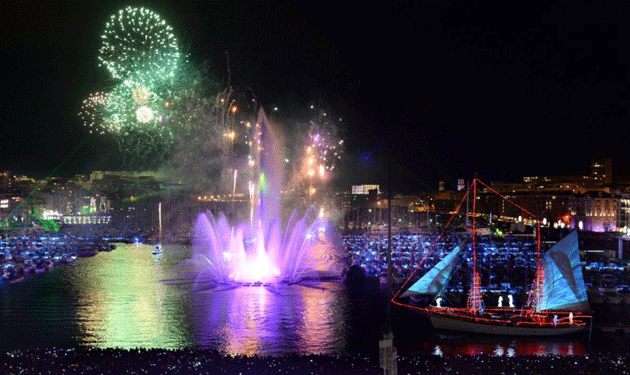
(130, 298)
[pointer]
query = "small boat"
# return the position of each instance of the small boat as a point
(16, 280)
(87, 252)
(157, 250)
(6, 274)
(158, 247)
(105, 246)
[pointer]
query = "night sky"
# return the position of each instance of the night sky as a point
(503, 91)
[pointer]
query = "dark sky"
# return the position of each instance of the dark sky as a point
(504, 91)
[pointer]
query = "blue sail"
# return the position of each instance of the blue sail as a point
(436, 279)
(563, 287)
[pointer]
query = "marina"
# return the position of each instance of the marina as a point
(129, 298)
(26, 255)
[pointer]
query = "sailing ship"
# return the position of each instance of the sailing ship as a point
(158, 247)
(557, 303)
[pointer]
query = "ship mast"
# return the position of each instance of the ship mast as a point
(160, 222)
(536, 294)
(475, 301)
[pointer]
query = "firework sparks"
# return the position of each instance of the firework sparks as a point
(138, 39)
(92, 110)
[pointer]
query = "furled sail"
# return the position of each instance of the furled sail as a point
(436, 279)
(563, 287)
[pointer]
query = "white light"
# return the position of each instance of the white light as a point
(141, 95)
(144, 114)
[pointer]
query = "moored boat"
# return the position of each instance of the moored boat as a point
(557, 302)
(17, 279)
(158, 248)
(87, 252)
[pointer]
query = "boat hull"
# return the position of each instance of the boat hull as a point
(442, 322)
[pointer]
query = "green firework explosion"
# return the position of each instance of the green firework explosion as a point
(138, 39)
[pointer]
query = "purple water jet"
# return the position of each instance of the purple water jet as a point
(258, 250)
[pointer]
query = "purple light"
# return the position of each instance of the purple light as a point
(260, 250)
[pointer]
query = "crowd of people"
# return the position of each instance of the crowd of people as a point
(86, 360)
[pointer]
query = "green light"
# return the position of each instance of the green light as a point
(138, 41)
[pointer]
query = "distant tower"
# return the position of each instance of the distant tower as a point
(601, 171)
(442, 186)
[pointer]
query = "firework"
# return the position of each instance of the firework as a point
(131, 105)
(141, 94)
(163, 105)
(92, 111)
(144, 114)
(138, 39)
(324, 147)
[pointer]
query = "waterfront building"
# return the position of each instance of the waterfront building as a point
(445, 201)
(365, 189)
(623, 212)
(594, 211)
(545, 183)
(11, 208)
(550, 205)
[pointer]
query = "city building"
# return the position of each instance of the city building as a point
(550, 206)
(601, 171)
(365, 189)
(594, 211)
(623, 212)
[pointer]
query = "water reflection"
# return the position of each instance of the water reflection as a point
(271, 319)
(515, 347)
(121, 301)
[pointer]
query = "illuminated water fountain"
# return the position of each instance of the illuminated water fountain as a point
(258, 250)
